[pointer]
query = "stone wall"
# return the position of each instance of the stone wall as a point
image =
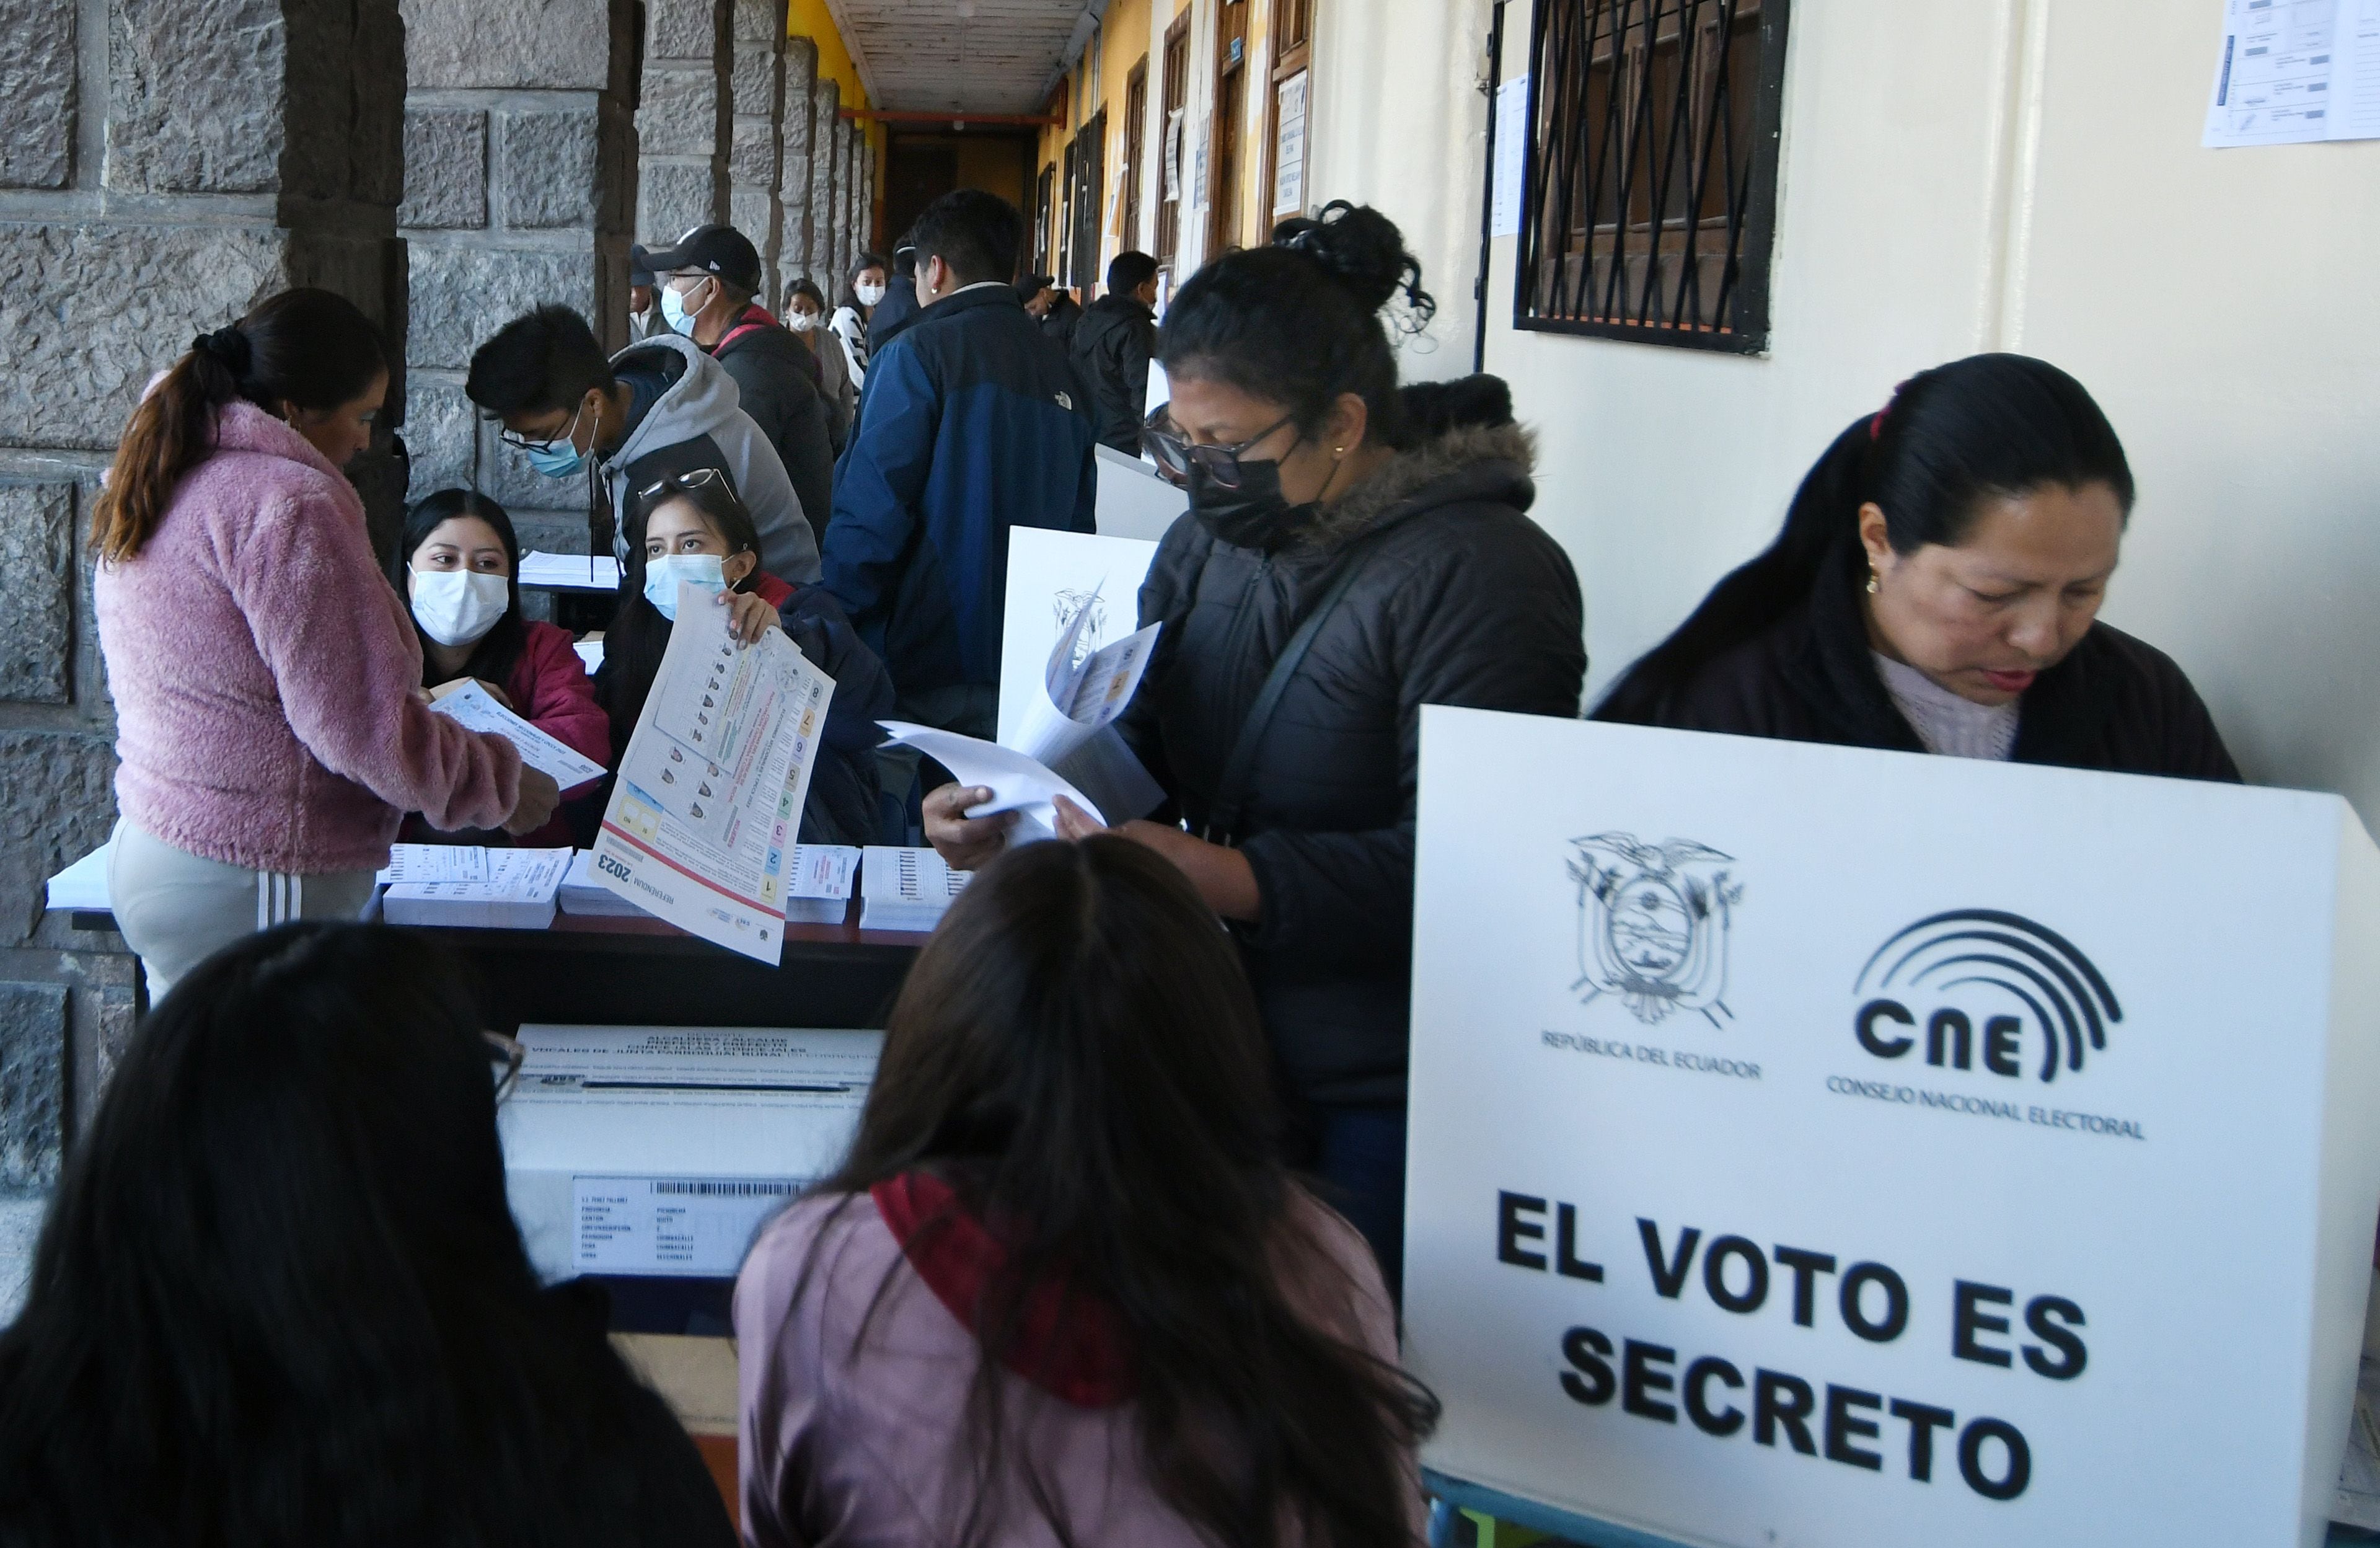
(684, 118)
(163, 167)
(757, 134)
(520, 176)
(825, 99)
(794, 165)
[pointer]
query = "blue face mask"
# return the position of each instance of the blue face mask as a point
(560, 457)
(673, 312)
(663, 575)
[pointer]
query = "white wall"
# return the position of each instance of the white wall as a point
(1961, 175)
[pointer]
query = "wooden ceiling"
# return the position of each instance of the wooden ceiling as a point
(962, 55)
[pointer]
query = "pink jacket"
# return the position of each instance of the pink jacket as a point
(865, 1447)
(264, 673)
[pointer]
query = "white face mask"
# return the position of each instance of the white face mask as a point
(663, 575)
(802, 321)
(459, 607)
(869, 294)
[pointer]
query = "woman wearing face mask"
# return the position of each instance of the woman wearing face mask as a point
(1378, 560)
(1936, 588)
(806, 316)
(851, 318)
(455, 564)
(269, 723)
(694, 529)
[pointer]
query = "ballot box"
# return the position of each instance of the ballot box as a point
(657, 1152)
(1812, 1145)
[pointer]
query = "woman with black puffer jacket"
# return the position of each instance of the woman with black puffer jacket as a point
(1371, 545)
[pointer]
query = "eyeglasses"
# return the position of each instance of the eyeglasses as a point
(523, 443)
(505, 1055)
(1176, 453)
(684, 483)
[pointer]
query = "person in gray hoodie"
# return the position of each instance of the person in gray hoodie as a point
(656, 408)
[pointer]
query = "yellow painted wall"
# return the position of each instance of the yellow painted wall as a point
(812, 19)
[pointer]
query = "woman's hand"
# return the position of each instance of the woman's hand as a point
(455, 684)
(749, 618)
(538, 797)
(1220, 873)
(965, 843)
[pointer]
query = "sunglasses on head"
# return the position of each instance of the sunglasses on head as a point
(1176, 453)
(683, 484)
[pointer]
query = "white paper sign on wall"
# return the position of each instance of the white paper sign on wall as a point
(1821, 1146)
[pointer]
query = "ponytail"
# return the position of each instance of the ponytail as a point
(1952, 438)
(306, 348)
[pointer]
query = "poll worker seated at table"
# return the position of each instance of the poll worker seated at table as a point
(455, 564)
(268, 726)
(1936, 588)
(657, 408)
(279, 1296)
(1061, 1290)
(1308, 468)
(694, 528)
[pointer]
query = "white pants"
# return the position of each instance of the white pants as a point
(176, 909)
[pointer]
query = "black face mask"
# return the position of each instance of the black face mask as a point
(1253, 516)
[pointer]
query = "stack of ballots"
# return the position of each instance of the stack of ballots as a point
(495, 889)
(906, 889)
(818, 886)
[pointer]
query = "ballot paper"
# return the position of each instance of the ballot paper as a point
(700, 826)
(1054, 580)
(660, 1149)
(818, 886)
(2291, 71)
(434, 863)
(1017, 783)
(569, 572)
(906, 889)
(516, 892)
(82, 885)
(590, 654)
(473, 706)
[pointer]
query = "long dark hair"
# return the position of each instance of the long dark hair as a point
(498, 651)
(1987, 427)
(638, 635)
(1299, 322)
(280, 1299)
(1076, 1053)
(860, 265)
(312, 349)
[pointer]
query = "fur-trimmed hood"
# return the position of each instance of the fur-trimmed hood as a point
(1462, 464)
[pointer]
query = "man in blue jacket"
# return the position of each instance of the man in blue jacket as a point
(971, 423)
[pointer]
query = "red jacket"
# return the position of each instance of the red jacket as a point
(550, 690)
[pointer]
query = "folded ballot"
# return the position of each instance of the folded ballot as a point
(906, 889)
(1065, 745)
(515, 891)
(818, 886)
(472, 705)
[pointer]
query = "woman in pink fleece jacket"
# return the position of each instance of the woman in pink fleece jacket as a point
(1062, 1289)
(270, 726)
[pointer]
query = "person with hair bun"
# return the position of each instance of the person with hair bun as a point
(1936, 588)
(269, 719)
(1379, 558)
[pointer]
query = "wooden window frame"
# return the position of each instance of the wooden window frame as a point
(1175, 97)
(1136, 152)
(1223, 192)
(1613, 84)
(1291, 54)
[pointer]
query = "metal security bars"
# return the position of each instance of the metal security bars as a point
(1650, 178)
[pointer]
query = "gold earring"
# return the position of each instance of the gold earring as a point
(1872, 580)
(1336, 452)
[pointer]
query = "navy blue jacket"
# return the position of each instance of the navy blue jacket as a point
(972, 423)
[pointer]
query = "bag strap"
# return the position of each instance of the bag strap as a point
(1223, 813)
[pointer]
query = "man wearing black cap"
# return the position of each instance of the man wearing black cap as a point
(709, 279)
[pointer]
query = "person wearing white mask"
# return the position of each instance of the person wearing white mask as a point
(850, 321)
(806, 318)
(691, 528)
(455, 564)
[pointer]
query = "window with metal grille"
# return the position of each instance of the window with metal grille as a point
(1651, 173)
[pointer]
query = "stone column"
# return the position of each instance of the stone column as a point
(825, 98)
(685, 116)
(759, 133)
(839, 204)
(856, 220)
(794, 167)
(868, 237)
(161, 170)
(520, 184)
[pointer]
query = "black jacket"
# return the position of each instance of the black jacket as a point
(1461, 600)
(2114, 703)
(1060, 322)
(1111, 347)
(776, 383)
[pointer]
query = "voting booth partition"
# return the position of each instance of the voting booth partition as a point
(1812, 1145)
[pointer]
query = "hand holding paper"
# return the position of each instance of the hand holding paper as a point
(1018, 782)
(471, 706)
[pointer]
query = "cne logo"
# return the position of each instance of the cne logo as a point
(1984, 983)
(1652, 924)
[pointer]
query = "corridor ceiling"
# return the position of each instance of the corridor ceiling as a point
(962, 55)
